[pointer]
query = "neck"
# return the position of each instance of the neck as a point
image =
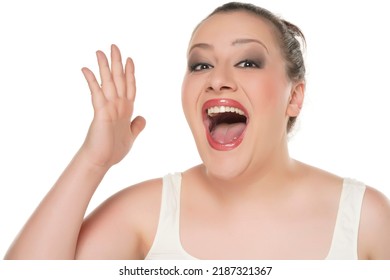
(262, 177)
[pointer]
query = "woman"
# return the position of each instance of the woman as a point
(249, 199)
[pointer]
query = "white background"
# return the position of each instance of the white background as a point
(45, 105)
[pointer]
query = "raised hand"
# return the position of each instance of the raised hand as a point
(112, 133)
(53, 230)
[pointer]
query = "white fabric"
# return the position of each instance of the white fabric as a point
(346, 232)
(167, 245)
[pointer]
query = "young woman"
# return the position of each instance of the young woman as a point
(248, 199)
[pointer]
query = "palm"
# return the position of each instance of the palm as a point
(111, 134)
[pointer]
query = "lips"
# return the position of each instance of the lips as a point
(225, 122)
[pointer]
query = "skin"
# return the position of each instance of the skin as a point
(253, 194)
(265, 91)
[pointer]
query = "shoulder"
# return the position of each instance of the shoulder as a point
(135, 198)
(374, 230)
(136, 206)
(318, 180)
(123, 226)
(138, 194)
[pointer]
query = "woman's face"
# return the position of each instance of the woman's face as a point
(236, 94)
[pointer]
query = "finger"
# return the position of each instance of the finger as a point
(117, 71)
(130, 79)
(98, 98)
(137, 125)
(108, 85)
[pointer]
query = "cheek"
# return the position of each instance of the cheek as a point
(188, 97)
(267, 93)
(184, 90)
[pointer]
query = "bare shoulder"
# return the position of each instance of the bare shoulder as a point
(123, 226)
(140, 194)
(322, 179)
(374, 230)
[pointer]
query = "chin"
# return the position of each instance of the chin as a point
(224, 174)
(225, 167)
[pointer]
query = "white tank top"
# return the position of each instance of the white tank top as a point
(167, 245)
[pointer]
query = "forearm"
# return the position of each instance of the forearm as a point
(53, 229)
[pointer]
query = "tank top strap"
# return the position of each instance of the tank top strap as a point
(166, 244)
(346, 232)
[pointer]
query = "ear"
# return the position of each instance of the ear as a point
(296, 99)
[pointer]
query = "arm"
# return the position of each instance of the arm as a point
(124, 226)
(53, 230)
(374, 231)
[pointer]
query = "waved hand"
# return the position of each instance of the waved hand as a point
(112, 133)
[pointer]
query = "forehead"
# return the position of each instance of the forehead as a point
(224, 28)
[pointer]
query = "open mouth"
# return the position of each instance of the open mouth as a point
(225, 121)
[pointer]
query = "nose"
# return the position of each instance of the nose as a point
(221, 80)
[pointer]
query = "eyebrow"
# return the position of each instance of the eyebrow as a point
(202, 46)
(247, 41)
(234, 43)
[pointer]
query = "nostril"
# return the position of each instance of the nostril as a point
(225, 88)
(219, 88)
(221, 79)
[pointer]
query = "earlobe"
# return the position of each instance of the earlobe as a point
(296, 99)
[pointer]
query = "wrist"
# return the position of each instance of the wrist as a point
(83, 158)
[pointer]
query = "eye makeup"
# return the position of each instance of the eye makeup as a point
(250, 63)
(195, 67)
(251, 57)
(244, 57)
(198, 62)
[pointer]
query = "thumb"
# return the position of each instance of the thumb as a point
(137, 125)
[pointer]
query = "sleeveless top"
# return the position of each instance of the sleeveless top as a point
(167, 245)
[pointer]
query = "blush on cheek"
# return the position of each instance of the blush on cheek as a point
(267, 94)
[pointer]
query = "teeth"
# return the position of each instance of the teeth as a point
(222, 109)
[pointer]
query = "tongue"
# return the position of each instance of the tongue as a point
(227, 133)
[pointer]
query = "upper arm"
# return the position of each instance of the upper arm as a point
(116, 229)
(374, 231)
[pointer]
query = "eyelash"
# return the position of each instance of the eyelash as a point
(252, 64)
(197, 67)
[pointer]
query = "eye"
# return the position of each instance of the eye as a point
(196, 67)
(248, 64)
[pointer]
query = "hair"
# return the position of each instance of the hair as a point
(288, 35)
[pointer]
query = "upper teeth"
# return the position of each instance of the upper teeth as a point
(222, 109)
